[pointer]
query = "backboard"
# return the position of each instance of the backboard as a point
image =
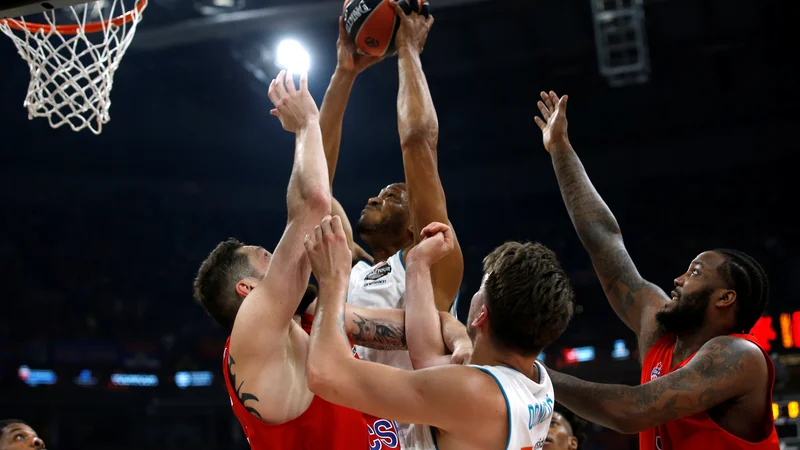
(17, 8)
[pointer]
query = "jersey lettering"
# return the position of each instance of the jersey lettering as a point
(658, 442)
(540, 412)
(382, 434)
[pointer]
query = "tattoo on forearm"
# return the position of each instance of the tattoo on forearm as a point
(379, 335)
(243, 396)
(598, 231)
(706, 382)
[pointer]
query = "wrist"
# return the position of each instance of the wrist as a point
(560, 146)
(406, 50)
(334, 283)
(342, 74)
(416, 264)
(309, 123)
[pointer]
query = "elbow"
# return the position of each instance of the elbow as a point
(419, 364)
(318, 200)
(629, 424)
(422, 135)
(313, 200)
(320, 380)
(596, 235)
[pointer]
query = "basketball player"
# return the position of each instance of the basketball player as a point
(388, 222)
(705, 383)
(265, 357)
(566, 430)
(18, 435)
(524, 303)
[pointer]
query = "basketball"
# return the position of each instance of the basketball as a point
(373, 23)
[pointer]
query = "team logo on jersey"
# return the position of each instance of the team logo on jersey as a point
(656, 372)
(379, 271)
(382, 433)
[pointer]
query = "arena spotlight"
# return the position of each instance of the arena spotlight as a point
(292, 56)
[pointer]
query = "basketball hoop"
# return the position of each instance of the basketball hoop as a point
(72, 66)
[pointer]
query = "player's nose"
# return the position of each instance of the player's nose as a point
(38, 443)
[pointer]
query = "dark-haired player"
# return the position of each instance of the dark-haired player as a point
(18, 435)
(566, 430)
(256, 295)
(504, 400)
(391, 220)
(705, 383)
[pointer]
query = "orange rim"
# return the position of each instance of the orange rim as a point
(92, 27)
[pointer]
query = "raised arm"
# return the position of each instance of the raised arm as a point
(349, 64)
(451, 397)
(422, 322)
(634, 299)
(419, 134)
(725, 368)
(266, 313)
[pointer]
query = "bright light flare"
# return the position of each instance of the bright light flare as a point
(292, 56)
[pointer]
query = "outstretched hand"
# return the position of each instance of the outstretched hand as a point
(414, 27)
(437, 242)
(295, 108)
(328, 251)
(554, 125)
(348, 57)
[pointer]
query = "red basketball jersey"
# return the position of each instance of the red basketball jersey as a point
(698, 431)
(323, 426)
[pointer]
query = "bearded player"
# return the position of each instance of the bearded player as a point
(256, 294)
(706, 384)
(388, 222)
(505, 400)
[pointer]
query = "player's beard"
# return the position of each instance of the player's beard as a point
(390, 226)
(688, 315)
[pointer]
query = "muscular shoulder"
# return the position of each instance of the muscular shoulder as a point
(732, 353)
(736, 366)
(478, 404)
(481, 389)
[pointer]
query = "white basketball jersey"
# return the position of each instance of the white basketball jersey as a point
(382, 286)
(530, 408)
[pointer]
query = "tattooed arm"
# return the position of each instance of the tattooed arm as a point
(724, 368)
(385, 329)
(634, 299)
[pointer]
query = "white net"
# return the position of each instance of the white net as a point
(72, 66)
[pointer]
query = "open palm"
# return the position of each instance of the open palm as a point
(553, 122)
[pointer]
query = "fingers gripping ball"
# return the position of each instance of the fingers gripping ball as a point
(372, 24)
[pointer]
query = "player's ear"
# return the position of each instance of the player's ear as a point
(245, 286)
(482, 317)
(573, 443)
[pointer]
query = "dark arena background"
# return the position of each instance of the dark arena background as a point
(685, 113)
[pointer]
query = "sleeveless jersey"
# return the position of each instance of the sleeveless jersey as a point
(699, 431)
(323, 426)
(382, 286)
(529, 405)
